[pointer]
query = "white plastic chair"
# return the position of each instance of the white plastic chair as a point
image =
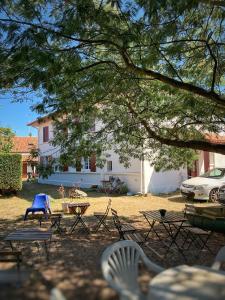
(120, 268)
(56, 294)
(220, 258)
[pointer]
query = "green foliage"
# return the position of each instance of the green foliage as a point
(10, 172)
(6, 142)
(45, 170)
(151, 72)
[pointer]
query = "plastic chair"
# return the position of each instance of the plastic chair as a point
(40, 204)
(219, 259)
(120, 268)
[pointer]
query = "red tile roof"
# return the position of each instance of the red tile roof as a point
(216, 138)
(23, 144)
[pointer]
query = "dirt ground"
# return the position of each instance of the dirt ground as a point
(74, 265)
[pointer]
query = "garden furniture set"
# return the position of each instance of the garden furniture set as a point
(120, 260)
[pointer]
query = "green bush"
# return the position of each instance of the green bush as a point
(10, 172)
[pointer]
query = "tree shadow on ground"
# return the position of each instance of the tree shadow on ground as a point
(74, 265)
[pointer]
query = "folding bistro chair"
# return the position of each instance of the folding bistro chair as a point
(126, 231)
(101, 217)
(195, 236)
(55, 220)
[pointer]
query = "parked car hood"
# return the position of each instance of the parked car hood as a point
(204, 180)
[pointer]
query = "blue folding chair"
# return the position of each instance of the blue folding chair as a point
(40, 204)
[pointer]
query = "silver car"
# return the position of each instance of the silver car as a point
(204, 187)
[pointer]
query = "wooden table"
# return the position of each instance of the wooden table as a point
(78, 209)
(188, 283)
(30, 235)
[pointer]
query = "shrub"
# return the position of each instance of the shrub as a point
(10, 172)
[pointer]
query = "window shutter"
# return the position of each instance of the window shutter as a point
(45, 134)
(93, 163)
(65, 168)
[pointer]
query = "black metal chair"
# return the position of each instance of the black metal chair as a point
(125, 230)
(195, 236)
(101, 217)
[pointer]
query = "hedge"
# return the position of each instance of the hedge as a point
(10, 172)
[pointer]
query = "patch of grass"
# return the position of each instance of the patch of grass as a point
(15, 206)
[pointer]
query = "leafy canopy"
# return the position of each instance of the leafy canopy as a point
(152, 72)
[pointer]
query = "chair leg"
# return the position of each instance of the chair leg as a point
(101, 222)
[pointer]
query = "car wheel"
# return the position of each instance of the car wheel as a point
(214, 195)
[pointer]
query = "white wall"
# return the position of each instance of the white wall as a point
(46, 148)
(219, 160)
(162, 182)
(83, 180)
(152, 181)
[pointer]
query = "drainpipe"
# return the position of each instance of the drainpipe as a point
(143, 177)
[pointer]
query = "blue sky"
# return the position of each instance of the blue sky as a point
(17, 115)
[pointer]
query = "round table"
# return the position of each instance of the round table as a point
(188, 283)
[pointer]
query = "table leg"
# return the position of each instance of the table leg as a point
(46, 250)
(74, 224)
(152, 224)
(173, 239)
(84, 225)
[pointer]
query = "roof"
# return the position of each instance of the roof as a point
(38, 121)
(216, 138)
(43, 119)
(23, 144)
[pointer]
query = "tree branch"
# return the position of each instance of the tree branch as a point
(190, 144)
(211, 95)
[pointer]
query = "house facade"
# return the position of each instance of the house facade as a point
(23, 145)
(208, 160)
(139, 177)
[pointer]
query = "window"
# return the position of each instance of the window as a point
(109, 165)
(65, 168)
(86, 163)
(45, 134)
(214, 173)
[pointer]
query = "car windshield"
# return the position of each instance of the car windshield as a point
(214, 173)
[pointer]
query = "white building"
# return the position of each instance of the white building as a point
(139, 177)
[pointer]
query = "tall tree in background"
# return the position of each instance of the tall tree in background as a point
(6, 139)
(151, 71)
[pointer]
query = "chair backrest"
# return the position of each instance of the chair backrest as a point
(116, 219)
(108, 207)
(189, 209)
(120, 263)
(219, 259)
(41, 201)
(117, 223)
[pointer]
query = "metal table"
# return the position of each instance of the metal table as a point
(78, 209)
(30, 235)
(188, 283)
(171, 222)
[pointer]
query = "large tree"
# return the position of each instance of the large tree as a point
(151, 71)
